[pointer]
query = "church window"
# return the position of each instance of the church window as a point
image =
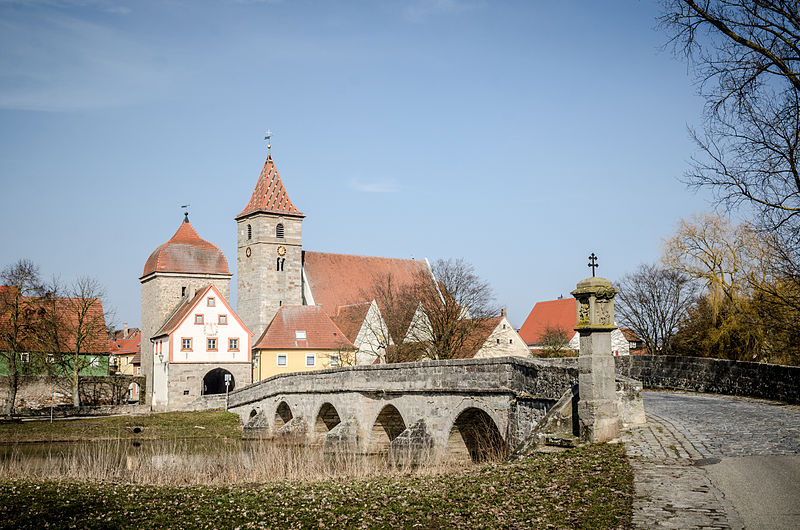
(300, 335)
(511, 341)
(281, 359)
(279, 264)
(233, 344)
(211, 301)
(198, 319)
(498, 341)
(185, 392)
(212, 345)
(311, 359)
(249, 232)
(223, 320)
(279, 230)
(186, 344)
(183, 291)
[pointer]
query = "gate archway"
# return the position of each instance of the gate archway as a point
(214, 381)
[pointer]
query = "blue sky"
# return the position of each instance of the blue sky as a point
(520, 136)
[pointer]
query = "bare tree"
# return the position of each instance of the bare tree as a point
(747, 57)
(554, 341)
(397, 305)
(18, 321)
(83, 334)
(453, 308)
(653, 301)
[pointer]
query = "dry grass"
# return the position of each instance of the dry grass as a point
(210, 462)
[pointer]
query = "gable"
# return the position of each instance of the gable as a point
(560, 314)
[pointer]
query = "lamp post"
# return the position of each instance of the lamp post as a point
(227, 384)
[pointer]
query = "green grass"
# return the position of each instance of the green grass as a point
(207, 424)
(589, 487)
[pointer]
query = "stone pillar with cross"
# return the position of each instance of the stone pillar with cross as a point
(597, 404)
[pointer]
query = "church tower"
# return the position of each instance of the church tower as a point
(270, 250)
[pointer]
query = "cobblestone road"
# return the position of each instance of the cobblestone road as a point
(686, 431)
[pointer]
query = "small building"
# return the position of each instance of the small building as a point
(298, 339)
(125, 344)
(202, 346)
(552, 316)
(635, 343)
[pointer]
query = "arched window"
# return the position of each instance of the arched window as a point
(278, 265)
(279, 230)
(249, 232)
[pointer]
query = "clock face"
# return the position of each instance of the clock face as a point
(281, 251)
(247, 252)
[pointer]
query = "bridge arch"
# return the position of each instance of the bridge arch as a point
(283, 415)
(327, 419)
(474, 436)
(387, 426)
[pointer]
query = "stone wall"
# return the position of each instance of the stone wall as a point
(719, 376)
(35, 392)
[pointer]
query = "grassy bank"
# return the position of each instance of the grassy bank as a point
(207, 424)
(589, 487)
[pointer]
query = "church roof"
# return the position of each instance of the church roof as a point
(186, 252)
(340, 279)
(318, 332)
(350, 318)
(269, 194)
(559, 314)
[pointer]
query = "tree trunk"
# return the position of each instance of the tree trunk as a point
(76, 397)
(13, 384)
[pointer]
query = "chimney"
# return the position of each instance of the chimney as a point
(503, 312)
(124, 330)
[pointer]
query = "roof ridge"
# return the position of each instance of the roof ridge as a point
(362, 256)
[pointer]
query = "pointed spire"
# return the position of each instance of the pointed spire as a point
(269, 194)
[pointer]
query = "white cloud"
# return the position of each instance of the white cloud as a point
(420, 10)
(56, 63)
(375, 186)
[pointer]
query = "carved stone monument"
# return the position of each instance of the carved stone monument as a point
(597, 406)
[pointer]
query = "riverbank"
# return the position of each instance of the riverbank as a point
(161, 426)
(589, 487)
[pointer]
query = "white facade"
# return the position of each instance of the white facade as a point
(619, 344)
(503, 341)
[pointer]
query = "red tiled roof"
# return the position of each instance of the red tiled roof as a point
(350, 318)
(341, 279)
(180, 313)
(560, 314)
(269, 194)
(321, 332)
(133, 344)
(478, 337)
(67, 312)
(630, 335)
(186, 252)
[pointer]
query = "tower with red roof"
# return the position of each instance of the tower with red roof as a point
(270, 247)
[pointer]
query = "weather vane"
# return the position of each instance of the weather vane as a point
(593, 263)
(185, 212)
(267, 138)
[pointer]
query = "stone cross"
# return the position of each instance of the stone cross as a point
(597, 404)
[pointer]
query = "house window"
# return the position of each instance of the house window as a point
(198, 319)
(223, 319)
(249, 232)
(511, 341)
(504, 326)
(51, 358)
(279, 230)
(25, 357)
(300, 335)
(138, 370)
(282, 359)
(233, 344)
(186, 344)
(211, 301)
(212, 345)
(498, 341)
(632, 345)
(334, 359)
(311, 359)
(185, 392)
(94, 361)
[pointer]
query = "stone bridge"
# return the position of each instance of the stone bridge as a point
(469, 407)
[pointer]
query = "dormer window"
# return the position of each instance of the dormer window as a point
(279, 231)
(249, 232)
(300, 335)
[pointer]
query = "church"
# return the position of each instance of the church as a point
(296, 309)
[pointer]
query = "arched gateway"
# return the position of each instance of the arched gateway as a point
(214, 381)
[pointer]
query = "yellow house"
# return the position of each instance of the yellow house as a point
(299, 339)
(123, 351)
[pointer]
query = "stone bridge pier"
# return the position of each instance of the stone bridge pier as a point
(473, 408)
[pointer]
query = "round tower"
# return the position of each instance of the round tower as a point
(174, 271)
